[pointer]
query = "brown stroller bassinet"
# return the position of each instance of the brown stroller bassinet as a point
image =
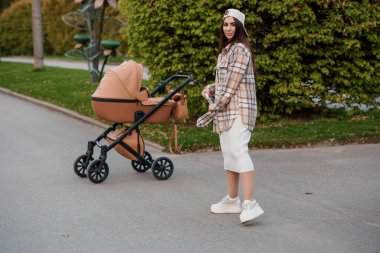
(120, 98)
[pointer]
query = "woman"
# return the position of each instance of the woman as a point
(234, 111)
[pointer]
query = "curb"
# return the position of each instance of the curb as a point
(69, 113)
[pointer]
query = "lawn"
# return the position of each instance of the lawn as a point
(71, 89)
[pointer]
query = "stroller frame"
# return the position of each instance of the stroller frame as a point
(97, 170)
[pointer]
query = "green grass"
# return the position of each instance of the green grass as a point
(71, 89)
(63, 87)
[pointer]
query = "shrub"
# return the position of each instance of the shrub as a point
(326, 50)
(16, 29)
(57, 33)
(53, 11)
(307, 51)
(5, 4)
(171, 40)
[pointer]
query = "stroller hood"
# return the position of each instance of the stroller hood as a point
(121, 82)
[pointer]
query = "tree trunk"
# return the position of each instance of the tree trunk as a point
(38, 41)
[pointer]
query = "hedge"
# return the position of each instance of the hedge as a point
(308, 52)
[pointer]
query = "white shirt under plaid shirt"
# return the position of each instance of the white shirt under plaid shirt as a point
(235, 89)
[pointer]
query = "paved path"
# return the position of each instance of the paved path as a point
(63, 64)
(315, 200)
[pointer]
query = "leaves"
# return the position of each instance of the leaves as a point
(16, 28)
(305, 49)
(321, 49)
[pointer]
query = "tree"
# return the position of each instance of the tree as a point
(38, 39)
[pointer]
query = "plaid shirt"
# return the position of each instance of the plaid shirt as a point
(235, 89)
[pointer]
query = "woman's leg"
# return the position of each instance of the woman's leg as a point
(231, 203)
(250, 208)
(232, 179)
(247, 179)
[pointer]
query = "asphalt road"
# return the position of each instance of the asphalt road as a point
(323, 199)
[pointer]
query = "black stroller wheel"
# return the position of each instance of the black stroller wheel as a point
(162, 168)
(139, 167)
(97, 173)
(79, 166)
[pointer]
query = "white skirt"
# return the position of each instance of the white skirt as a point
(234, 145)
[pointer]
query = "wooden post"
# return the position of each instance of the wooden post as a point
(38, 41)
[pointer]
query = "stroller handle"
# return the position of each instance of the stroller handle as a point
(162, 85)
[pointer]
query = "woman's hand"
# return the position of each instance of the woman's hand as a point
(206, 92)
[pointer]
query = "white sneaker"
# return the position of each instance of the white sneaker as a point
(227, 205)
(251, 210)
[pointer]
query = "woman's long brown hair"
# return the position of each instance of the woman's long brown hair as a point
(239, 36)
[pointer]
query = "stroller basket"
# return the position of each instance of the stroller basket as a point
(120, 98)
(134, 141)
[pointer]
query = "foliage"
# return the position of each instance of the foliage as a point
(16, 29)
(5, 4)
(326, 50)
(52, 11)
(308, 52)
(172, 38)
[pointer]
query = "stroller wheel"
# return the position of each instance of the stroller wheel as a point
(80, 168)
(162, 168)
(139, 167)
(97, 173)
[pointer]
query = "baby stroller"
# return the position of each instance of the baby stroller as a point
(120, 98)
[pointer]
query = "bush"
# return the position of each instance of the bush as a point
(53, 11)
(5, 4)
(326, 50)
(16, 28)
(170, 40)
(57, 33)
(307, 51)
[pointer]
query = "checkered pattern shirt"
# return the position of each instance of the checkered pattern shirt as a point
(235, 89)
